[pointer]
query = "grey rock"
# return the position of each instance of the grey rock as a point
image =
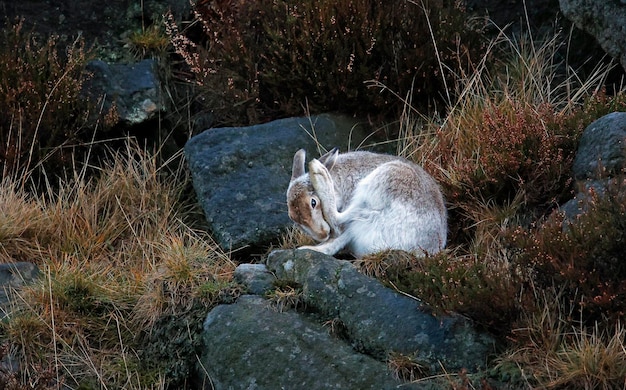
(134, 89)
(603, 19)
(379, 320)
(13, 276)
(580, 203)
(241, 174)
(255, 277)
(249, 345)
(602, 145)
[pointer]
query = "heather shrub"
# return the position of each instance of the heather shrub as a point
(266, 59)
(507, 147)
(503, 155)
(583, 256)
(44, 117)
(501, 148)
(512, 134)
(485, 288)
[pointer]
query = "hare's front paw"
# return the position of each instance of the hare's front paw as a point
(309, 247)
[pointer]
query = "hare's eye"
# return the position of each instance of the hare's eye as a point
(313, 203)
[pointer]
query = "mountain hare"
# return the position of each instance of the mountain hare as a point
(365, 202)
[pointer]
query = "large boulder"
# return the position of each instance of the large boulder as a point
(378, 320)
(351, 327)
(250, 345)
(241, 174)
(603, 19)
(601, 156)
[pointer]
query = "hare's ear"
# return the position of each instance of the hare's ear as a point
(297, 169)
(330, 158)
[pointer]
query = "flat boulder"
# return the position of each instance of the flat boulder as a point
(250, 345)
(379, 321)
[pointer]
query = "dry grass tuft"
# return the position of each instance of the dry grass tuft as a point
(406, 368)
(115, 256)
(286, 296)
(377, 264)
(149, 41)
(555, 351)
(294, 237)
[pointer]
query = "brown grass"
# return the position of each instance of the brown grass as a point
(115, 256)
(286, 297)
(554, 351)
(406, 368)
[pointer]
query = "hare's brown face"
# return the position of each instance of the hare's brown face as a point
(305, 209)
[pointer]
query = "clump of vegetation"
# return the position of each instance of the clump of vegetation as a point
(286, 295)
(294, 237)
(266, 59)
(584, 256)
(149, 41)
(116, 257)
(44, 118)
(503, 154)
(485, 288)
(379, 264)
(406, 368)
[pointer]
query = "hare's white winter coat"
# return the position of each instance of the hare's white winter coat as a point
(366, 202)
